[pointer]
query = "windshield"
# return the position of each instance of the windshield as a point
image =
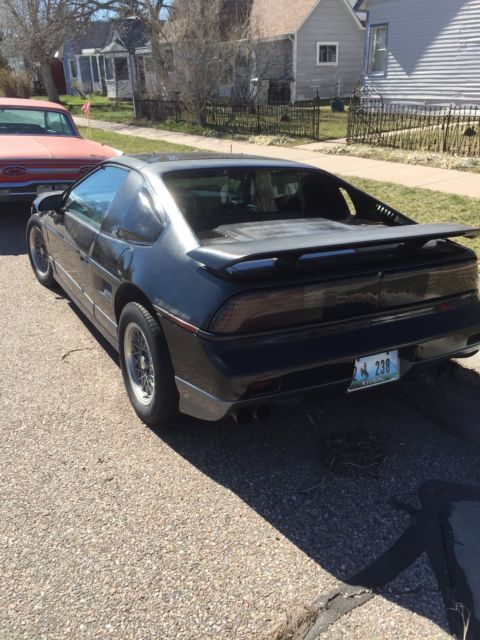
(43, 122)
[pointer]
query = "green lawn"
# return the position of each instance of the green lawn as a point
(133, 144)
(101, 108)
(423, 205)
(332, 125)
(424, 158)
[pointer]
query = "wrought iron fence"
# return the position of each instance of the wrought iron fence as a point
(454, 130)
(248, 119)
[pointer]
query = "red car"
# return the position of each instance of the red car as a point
(41, 149)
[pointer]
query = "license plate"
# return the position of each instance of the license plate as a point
(43, 188)
(370, 371)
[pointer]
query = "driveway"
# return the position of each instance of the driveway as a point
(202, 531)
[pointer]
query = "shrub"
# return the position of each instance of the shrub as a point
(17, 85)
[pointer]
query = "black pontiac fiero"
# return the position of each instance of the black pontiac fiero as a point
(230, 283)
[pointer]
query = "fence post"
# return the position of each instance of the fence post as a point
(445, 132)
(316, 120)
(349, 120)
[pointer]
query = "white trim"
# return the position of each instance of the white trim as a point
(283, 36)
(327, 64)
(293, 95)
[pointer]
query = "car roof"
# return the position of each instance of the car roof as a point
(167, 162)
(30, 104)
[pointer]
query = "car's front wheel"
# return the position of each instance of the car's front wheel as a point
(146, 366)
(38, 253)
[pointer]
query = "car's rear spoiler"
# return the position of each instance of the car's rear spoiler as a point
(235, 257)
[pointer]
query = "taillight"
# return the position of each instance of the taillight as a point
(410, 287)
(273, 309)
(267, 310)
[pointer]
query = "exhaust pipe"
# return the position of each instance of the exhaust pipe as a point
(262, 412)
(246, 416)
(242, 417)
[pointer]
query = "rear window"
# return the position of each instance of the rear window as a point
(34, 122)
(211, 198)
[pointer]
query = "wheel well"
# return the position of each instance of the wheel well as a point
(130, 293)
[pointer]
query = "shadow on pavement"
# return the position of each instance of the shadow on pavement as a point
(13, 223)
(363, 520)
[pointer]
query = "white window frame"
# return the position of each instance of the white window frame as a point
(371, 51)
(327, 64)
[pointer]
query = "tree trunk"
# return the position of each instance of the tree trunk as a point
(48, 82)
(157, 59)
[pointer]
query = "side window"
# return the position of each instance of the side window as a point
(91, 199)
(327, 53)
(141, 222)
(377, 59)
(57, 123)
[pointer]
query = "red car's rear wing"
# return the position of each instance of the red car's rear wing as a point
(235, 257)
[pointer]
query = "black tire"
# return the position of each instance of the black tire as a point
(38, 254)
(149, 378)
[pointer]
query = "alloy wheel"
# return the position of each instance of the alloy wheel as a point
(38, 251)
(139, 364)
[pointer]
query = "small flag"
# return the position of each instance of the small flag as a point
(86, 109)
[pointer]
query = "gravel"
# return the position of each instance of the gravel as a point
(211, 531)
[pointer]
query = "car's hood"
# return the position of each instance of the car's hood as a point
(13, 148)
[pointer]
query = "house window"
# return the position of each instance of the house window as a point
(148, 64)
(377, 60)
(108, 69)
(95, 73)
(121, 69)
(73, 68)
(168, 60)
(327, 53)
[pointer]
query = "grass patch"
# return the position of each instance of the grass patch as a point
(423, 158)
(332, 125)
(426, 206)
(102, 108)
(133, 144)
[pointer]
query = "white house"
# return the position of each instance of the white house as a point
(423, 52)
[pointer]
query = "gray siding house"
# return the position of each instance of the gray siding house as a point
(101, 59)
(308, 48)
(423, 52)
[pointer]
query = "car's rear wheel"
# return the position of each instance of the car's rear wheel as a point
(38, 254)
(146, 366)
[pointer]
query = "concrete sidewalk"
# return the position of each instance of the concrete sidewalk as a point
(460, 183)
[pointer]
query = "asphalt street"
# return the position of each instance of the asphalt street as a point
(209, 531)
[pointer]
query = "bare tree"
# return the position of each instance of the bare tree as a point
(39, 28)
(212, 44)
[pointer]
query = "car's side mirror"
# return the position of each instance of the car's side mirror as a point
(49, 202)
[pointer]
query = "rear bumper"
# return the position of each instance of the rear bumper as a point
(214, 376)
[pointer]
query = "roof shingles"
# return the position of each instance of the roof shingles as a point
(278, 17)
